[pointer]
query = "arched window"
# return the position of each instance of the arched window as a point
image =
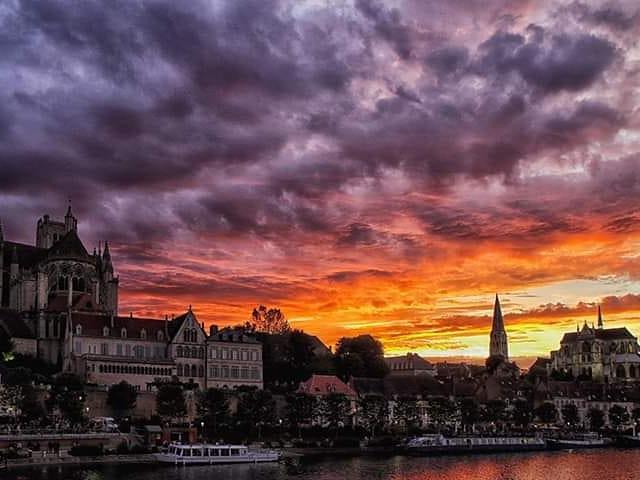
(201, 371)
(194, 371)
(620, 371)
(105, 331)
(81, 285)
(123, 332)
(632, 371)
(143, 334)
(186, 335)
(78, 329)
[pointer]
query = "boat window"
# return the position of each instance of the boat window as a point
(186, 452)
(172, 450)
(224, 452)
(197, 452)
(215, 452)
(235, 452)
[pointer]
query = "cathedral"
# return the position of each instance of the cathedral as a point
(60, 303)
(597, 353)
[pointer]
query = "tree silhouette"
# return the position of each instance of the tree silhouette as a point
(122, 397)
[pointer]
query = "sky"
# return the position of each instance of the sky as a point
(366, 166)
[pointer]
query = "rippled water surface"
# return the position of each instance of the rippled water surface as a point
(585, 465)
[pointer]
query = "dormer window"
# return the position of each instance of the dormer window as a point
(160, 336)
(143, 334)
(105, 331)
(78, 329)
(123, 333)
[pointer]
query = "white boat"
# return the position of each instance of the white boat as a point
(439, 444)
(584, 440)
(209, 454)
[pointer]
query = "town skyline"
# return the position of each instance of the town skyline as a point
(380, 168)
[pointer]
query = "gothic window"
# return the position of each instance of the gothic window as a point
(123, 332)
(186, 335)
(78, 329)
(105, 331)
(143, 334)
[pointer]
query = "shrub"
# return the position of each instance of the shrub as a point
(86, 451)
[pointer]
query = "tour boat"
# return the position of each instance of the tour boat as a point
(207, 454)
(584, 440)
(439, 444)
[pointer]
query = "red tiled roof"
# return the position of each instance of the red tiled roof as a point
(325, 384)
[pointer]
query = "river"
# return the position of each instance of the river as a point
(582, 465)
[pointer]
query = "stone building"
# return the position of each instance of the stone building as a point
(598, 353)
(410, 364)
(60, 303)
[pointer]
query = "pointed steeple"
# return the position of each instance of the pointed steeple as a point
(600, 322)
(106, 255)
(498, 344)
(498, 322)
(70, 222)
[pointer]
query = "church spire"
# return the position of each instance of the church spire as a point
(600, 322)
(70, 222)
(498, 345)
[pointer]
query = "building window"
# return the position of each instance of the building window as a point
(194, 371)
(244, 372)
(225, 371)
(143, 334)
(160, 336)
(78, 329)
(105, 331)
(215, 371)
(201, 371)
(104, 349)
(234, 372)
(78, 347)
(123, 333)
(179, 369)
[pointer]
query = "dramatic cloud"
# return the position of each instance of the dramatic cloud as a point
(374, 166)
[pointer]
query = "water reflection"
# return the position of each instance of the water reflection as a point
(589, 465)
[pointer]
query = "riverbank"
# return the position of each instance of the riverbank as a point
(55, 461)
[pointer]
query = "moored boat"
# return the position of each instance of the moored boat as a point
(209, 454)
(439, 444)
(585, 440)
(628, 441)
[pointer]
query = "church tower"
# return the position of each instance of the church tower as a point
(498, 345)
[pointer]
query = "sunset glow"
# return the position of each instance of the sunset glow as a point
(383, 168)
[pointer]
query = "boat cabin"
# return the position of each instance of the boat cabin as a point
(188, 451)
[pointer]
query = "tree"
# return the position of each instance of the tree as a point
(495, 411)
(372, 412)
(440, 410)
(6, 346)
(546, 412)
(31, 409)
(469, 412)
(596, 419)
(67, 393)
(300, 409)
(618, 415)
(170, 402)
(268, 320)
(334, 409)
(522, 414)
(361, 356)
(405, 411)
(570, 414)
(213, 410)
(493, 362)
(255, 408)
(121, 397)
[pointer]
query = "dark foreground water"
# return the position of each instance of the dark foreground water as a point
(584, 465)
